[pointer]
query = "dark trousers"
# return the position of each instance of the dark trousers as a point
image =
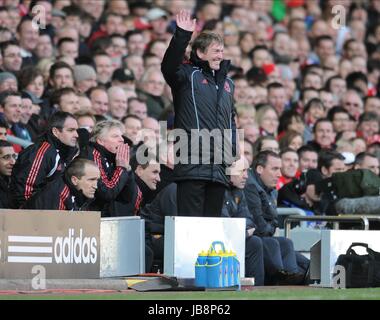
(148, 258)
(199, 198)
(254, 259)
(154, 254)
(279, 255)
(303, 263)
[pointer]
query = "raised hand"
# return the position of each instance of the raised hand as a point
(122, 156)
(184, 21)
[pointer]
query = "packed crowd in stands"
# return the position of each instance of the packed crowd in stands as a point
(82, 91)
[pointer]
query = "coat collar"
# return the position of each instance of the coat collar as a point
(220, 74)
(66, 152)
(104, 152)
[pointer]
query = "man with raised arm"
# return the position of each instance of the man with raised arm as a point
(203, 103)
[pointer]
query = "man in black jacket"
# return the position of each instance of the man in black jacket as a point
(301, 193)
(7, 161)
(117, 189)
(203, 103)
(282, 264)
(41, 162)
(73, 191)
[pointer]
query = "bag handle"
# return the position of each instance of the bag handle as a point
(215, 243)
(370, 252)
(357, 244)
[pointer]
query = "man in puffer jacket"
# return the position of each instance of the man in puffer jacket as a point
(203, 104)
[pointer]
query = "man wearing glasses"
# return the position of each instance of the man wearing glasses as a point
(7, 161)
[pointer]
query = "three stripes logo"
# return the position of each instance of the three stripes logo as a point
(46, 250)
(30, 249)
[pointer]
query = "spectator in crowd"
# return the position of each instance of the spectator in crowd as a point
(85, 78)
(324, 48)
(99, 102)
(151, 129)
(302, 193)
(8, 81)
(67, 47)
(353, 103)
(368, 125)
(12, 57)
(327, 99)
(10, 108)
(289, 168)
(267, 119)
(372, 104)
(73, 191)
(61, 75)
(280, 260)
(337, 86)
(133, 127)
(339, 118)
(84, 102)
(329, 162)
(151, 90)
(65, 99)
(291, 139)
(41, 162)
(277, 97)
(245, 115)
(308, 158)
(247, 150)
(30, 109)
(137, 107)
(3, 130)
(7, 161)
(324, 135)
(290, 120)
(111, 23)
(135, 63)
(44, 47)
(251, 132)
(264, 143)
(32, 80)
(103, 66)
(365, 160)
(85, 121)
(159, 22)
(117, 103)
(313, 111)
(123, 78)
(135, 43)
(260, 56)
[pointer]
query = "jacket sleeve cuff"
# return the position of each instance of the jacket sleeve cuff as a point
(181, 33)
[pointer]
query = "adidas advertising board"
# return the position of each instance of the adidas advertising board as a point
(66, 244)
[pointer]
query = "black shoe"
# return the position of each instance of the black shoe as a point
(274, 279)
(293, 279)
